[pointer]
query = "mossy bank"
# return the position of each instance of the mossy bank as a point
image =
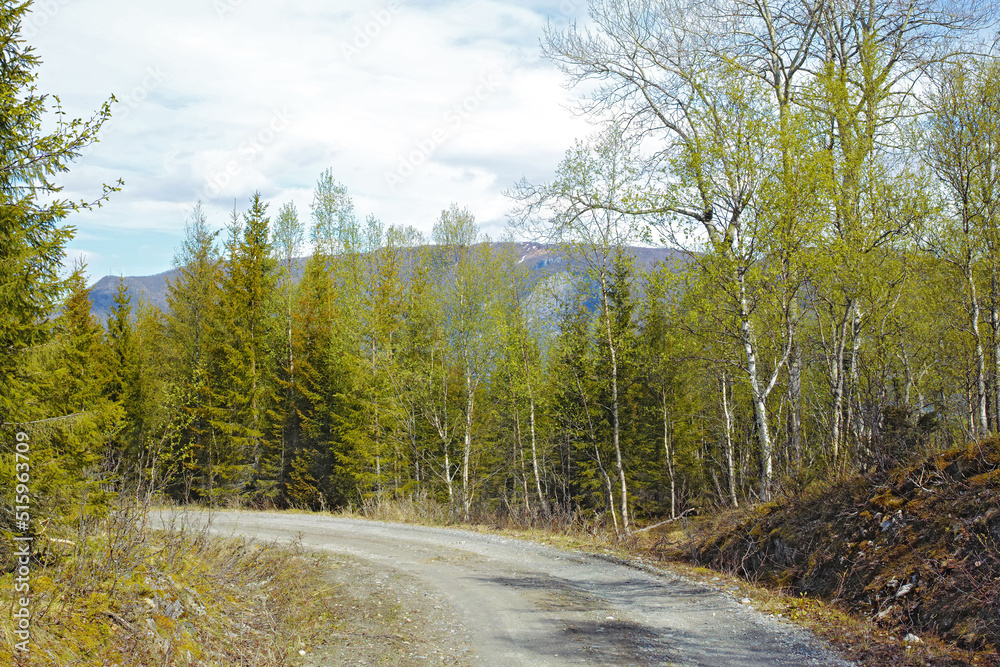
(915, 548)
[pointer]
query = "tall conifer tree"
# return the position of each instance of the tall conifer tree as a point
(33, 231)
(193, 300)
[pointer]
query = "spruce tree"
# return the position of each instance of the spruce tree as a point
(33, 231)
(288, 238)
(63, 424)
(193, 299)
(120, 351)
(131, 357)
(335, 434)
(244, 362)
(69, 420)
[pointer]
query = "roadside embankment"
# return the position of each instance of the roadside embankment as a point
(915, 549)
(114, 591)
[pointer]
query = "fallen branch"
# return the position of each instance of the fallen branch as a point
(120, 621)
(50, 419)
(663, 523)
(58, 541)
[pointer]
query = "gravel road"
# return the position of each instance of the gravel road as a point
(490, 600)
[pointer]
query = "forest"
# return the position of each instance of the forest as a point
(826, 174)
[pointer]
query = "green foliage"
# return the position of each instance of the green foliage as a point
(131, 356)
(825, 284)
(33, 234)
(50, 378)
(243, 363)
(193, 315)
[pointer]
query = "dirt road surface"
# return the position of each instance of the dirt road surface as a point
(481, 599)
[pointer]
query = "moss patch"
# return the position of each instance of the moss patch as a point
(916, 549)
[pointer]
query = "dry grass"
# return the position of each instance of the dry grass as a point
(421, 510)
(114, 592)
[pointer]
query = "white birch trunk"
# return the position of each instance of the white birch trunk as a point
(534, 455)
(467, 451)
(616, 425)
(758, 395)
(730, 468)
(981, 427)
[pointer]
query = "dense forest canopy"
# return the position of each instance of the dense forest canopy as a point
(829, 170)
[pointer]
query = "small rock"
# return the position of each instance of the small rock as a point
(302, 651)
(903, 590)
(745, 601)
(911, 638)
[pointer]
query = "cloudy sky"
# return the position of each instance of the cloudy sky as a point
(414, 104)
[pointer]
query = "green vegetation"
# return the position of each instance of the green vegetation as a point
(829, 176)
(834, 307)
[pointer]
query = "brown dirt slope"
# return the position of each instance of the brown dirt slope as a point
(916, 548)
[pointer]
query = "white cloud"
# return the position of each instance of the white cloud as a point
(218, 98)
(77, 256)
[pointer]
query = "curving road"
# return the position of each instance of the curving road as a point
(527, 604)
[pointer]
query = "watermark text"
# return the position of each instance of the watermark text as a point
(22, 542)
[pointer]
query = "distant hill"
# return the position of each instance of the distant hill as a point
(148, 288)
(543, 262)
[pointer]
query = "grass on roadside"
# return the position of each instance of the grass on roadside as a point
(115, 592)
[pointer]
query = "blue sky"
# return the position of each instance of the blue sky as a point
(414, 104)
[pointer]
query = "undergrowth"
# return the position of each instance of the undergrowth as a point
(115, 592)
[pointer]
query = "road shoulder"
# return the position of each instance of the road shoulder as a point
(384, 617)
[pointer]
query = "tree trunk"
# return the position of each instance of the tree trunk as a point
(609, 487)
(981, 425)
(534, 455)
(758, 395)
(668, 451)
(289, 442)
(851, 390)
(995, 319)
(519, 452)
(616, 423)
(995, 330)
(448, 477)
(837, 380)
(795, 404)
(467, 452)
(597, 452)
(730, 469)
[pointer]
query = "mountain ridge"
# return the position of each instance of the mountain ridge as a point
(543, 260)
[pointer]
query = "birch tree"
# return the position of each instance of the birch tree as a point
(582, 211)
(467, 291)
(962, 148)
